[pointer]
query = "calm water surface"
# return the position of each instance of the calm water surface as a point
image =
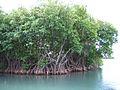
(107, 78)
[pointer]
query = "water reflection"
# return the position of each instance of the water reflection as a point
(92, 80)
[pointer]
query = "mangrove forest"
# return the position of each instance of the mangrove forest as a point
(53, 38)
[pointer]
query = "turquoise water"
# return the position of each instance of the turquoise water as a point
(102, 79)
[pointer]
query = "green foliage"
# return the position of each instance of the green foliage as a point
(42, 62)
(107, 35)
(27, 34)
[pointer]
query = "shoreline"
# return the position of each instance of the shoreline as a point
(40, 72)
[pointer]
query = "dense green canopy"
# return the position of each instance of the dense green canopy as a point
(54, 36)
